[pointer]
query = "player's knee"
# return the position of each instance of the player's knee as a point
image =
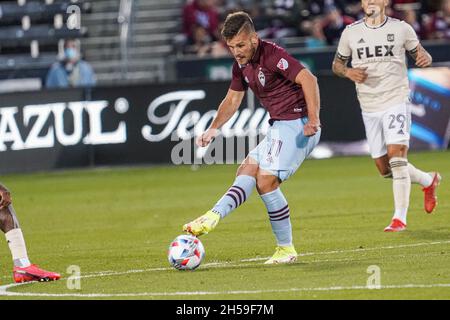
(399, 167)
(263, 186)
(248, 168)
(385, 171)
(398, 150)
(6, 220)
(3, 217)
(266, 182)
(387, 175)
(383, 167)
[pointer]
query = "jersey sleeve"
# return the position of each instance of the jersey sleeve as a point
(344, 51)
(237, 80)
(284, 64)
(411, 40)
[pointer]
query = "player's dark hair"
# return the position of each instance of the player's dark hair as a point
(235, 23)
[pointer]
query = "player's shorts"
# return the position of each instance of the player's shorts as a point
(284, 148)
(391, 126)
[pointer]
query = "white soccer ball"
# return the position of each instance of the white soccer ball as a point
(186, 252)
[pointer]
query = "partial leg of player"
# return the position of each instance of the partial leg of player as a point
(235, 196)
(283, 254)
(429, 181)
(430, 196)
(280, 220)
(23, 270)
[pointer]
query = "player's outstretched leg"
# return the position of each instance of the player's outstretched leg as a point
(429, 182)
(430, 196)
(23, 270)
(279, 216)
(236, 195)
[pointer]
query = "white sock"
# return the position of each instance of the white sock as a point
(401, 187)
(16, 244)
(400, 214)
(420, 177)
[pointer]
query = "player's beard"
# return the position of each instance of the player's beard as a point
(375, 15)
(248, 57)
(370, 13)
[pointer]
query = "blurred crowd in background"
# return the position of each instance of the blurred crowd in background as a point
(51, 44)
(318, 22)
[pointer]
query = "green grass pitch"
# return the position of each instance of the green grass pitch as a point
(116, 225)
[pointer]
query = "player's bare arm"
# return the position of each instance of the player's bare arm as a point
(340, 65)
(227, 109)
(421, 56)
(312, 96)
(340, 68)
(5, 197)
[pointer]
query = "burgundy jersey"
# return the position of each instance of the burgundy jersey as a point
(271, 75)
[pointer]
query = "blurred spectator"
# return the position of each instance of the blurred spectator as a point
(318, 7)
(321, 22)
(438, 26)
(334, 23)
(410, 17)
(402, 5)
(200, 13)
(203, 44)
(286, 14)
(220, 49)
(259, 17)
(316, 39)
(72, 71)
(354, 9)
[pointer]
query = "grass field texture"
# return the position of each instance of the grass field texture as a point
(116, 225)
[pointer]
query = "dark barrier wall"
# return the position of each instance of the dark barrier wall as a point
(137, 123)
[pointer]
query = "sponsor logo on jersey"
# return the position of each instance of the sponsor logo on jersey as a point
(377, 51)
(361, 41)
(283, 64)
(262, 78)
(390, 37)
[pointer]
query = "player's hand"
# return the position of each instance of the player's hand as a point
(207, 137)
(358, 75)
(5, 198)
(311, 128)
(423, 59)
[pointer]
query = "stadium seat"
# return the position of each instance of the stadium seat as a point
(30, 35)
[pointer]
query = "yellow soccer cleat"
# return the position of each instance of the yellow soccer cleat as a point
(283, 255)
(202, 225)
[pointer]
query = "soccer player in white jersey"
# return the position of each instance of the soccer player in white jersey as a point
(376, 44)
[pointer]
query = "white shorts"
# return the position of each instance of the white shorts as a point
(391, 126)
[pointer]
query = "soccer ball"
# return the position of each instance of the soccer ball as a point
(186, 252)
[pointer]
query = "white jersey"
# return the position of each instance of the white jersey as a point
(381, 50)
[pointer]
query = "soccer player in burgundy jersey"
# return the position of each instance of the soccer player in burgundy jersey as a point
(290, 93)
(23, 270)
